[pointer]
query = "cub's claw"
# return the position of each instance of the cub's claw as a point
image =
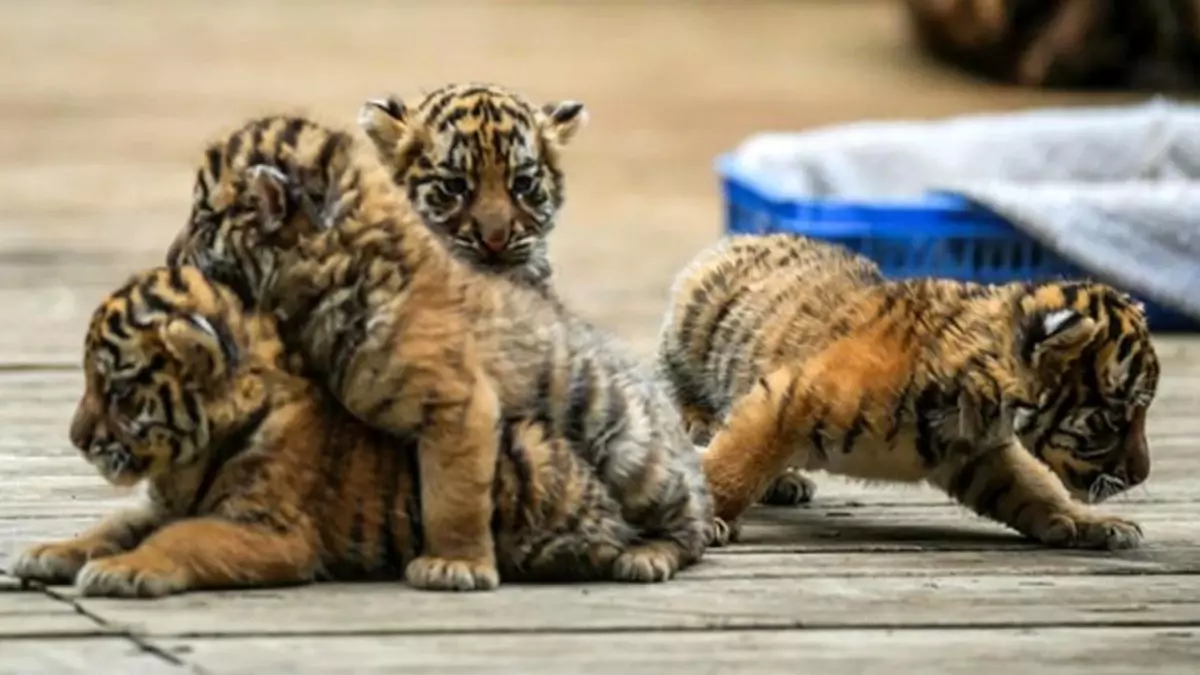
(441, 574)
(1093, 531)
(122, 577)
(648, 563)
(790, 488)
(56, 562)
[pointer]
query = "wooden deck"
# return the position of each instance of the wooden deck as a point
(103, 107)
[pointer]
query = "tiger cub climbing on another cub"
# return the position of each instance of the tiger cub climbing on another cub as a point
(482, 167)
(798, 354)
(256, 477)
(304, 224)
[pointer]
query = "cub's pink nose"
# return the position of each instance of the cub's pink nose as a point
(496, 241)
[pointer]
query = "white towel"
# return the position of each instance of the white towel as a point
(1114, 190)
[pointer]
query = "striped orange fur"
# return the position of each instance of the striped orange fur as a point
(307, 224)
(482, 166)
(257, 477)
(1022, 401)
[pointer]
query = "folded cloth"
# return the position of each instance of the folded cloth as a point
(1112, 189)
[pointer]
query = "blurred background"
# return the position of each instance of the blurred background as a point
(105, 106)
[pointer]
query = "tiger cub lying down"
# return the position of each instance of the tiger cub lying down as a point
(1021, 401)
(257, 477)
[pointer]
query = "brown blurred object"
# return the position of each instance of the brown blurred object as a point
(1075, 44)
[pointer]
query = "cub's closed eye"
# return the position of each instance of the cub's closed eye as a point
(455, 186)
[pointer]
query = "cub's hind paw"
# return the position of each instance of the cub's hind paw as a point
(647, 563)
(441, 574)
(127, 577)
(55, 563)
(725, 532)
(790, 488)
(1092, 531)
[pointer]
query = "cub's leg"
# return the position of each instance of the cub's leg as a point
(1011, 486)
(555, 521)
(58, 562)
(790, 488)
(457, 458)
(700, 425)
(584, 555)
(585, 552)
(414, 372)
(201, 554)
(760, 437)
(667, 500)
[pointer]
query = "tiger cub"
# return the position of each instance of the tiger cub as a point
(800, 354)
(482, 167)
(256, 477)
(304, 223)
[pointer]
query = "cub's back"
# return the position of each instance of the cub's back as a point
(750, 298)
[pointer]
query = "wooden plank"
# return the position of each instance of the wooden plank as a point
(88, 656)
(807, 566)
(54, 292)
(802, 558)
(1171, 531)
(974, 601)
(864, 526)
(1070, 651)
(31, 613)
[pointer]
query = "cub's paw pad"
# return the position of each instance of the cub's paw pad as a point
(725, 532)
(442, 574)
(791, 488)
(648, 563)
(1094, 532)
(55, 563)
(117, 578)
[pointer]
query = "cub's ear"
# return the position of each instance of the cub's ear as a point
(268, 188)
(198, 347)
(1055, 338)
(563, 120)
(386, 121)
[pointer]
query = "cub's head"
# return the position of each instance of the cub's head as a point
(248, 209)
(1089, 348)
(480, 164)
(165, 362)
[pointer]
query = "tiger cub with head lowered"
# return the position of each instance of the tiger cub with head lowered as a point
(800, 354)
(256, 477)
(481, 165)
(305, 224)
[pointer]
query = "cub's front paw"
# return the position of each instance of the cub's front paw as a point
(56, 562)
(647, 563)
(129, 576)
(1092, 530)
(790, 488)
(441, 574)
(725, 532)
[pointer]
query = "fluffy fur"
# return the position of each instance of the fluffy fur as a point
(257, 478)
(413, 341)
(799, 354)
(481, 165)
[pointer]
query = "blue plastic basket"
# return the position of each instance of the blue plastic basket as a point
(938, 235)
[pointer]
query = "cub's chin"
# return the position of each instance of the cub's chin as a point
(120, 468)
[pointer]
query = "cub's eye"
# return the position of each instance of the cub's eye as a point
(522, 184)
(455, 186)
